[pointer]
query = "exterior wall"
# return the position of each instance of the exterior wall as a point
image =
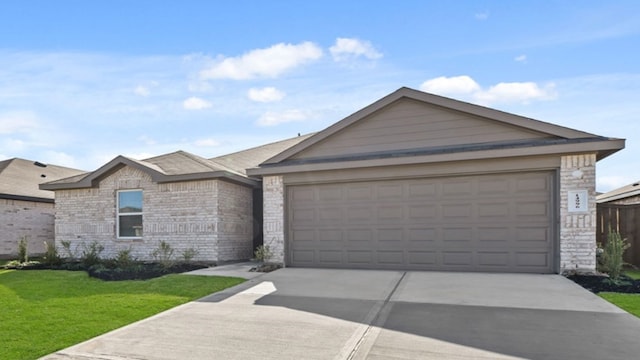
(25, 218)
(578, 230)
(185, 214)
(273, 216)
(235, 216)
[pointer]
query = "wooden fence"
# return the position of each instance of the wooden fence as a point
(626, 220)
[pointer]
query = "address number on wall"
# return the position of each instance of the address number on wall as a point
(578, 200)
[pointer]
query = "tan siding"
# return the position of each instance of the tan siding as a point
(409, 124)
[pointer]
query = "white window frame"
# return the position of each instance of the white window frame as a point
(118, 214)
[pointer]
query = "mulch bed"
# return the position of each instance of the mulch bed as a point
(601, 283)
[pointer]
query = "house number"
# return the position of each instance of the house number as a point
(578, 200)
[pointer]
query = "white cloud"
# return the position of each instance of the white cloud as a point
(18, 122)
(269, 62)
(521, 58)
(59, 158)
(142, 91)
(267, 94)
(195, 103)
(482, 15)
(515, 92)
(450, 85)
(464, 86)
(351, 48)
(146, 140)
(608, 183)
(271, 118)
(206, 143)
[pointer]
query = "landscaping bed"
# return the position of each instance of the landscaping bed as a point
(602, 283)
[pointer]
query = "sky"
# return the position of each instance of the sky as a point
(82, 82)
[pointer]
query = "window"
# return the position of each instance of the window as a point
(129, 214)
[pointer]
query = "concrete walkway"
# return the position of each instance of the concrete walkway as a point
(359, 314)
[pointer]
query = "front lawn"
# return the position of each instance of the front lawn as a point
(627, 302)
(634, 274)
(42, 311)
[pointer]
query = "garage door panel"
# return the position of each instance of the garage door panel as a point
(493, 258)
(499, 222)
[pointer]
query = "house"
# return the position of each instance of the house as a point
(626, 195)
(417, 181)
(189, 202)
(413, 181)
(25, 210)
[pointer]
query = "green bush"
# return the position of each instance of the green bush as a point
(124, 259)
(23, 250)
(611, 259)
(189, 254)
(69, 254)
(51, 256)
(263, 253)
(163, 254)
(91, 254)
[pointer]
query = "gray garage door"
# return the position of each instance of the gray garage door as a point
(469, 223)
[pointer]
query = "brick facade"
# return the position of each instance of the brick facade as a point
(578, 229)
(33, 220)
(273, 216)
(212, 217)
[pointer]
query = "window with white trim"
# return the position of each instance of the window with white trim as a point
(129, 214)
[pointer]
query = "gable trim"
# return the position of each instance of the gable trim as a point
(447, 103)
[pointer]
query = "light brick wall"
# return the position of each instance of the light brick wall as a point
(578, 230)
(184, 214)
(273, 216)
(235, 216)
(25, 218)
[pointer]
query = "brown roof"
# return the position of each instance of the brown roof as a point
(251, 158)
(20, 178)
(620, 193)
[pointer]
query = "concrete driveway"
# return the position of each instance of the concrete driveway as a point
(360, 314)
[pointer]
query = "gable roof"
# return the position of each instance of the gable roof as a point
(624, 192)
(20, 178)
(242, 160)
(172, 167)
(557, 139)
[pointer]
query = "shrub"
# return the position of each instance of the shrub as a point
(91, 254)
(611, 261)
(163, 254)
(189, 254)
(263, 253)
(124, 259)
(69, 254)
(23, 251)
(51, 256)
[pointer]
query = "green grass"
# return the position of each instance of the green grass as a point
(627, 302)
(634, 274)
(42, 311)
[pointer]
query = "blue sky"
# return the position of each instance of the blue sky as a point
(84, 81)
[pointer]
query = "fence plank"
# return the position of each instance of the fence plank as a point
(624, 219)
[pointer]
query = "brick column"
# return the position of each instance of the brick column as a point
(273, 216)
(578, 229)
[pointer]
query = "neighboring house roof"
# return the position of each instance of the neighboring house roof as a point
(183, 166)
(173, 167)
(20, 178)
(543, 138)
(624, 192)
(242, 160)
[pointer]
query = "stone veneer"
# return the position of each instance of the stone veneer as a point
(578, 230)
(213, 217)
(30, 219)
(273, 216)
